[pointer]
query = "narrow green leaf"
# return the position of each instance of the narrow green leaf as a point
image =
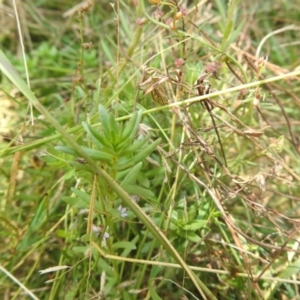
(137, 145)
(192, 236)
(82, 195)
(153, 294)
(114, 138)
(132, 174)
(222, 9)
(107, 51)
(81, 167)
(113, 124)
(93, 135)
(80, 249)
(180, 215)
(226, 34)
(143, 180)
(103, 265)
(36, 223)
(232, 6)
(121, 148)
(75, 202)
(127, 251)
(61, 233)
(126, 25)
(66, 149)
(197, 224)
(139, 157)
(234, 34)
(192, 214)
(92, 153)
(154, 271)
(132, 125)
(98, 155)
(104, 119)
(124, 245)
(137, 190)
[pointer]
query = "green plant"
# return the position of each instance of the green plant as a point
(192, 195)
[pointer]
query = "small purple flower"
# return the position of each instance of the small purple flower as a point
(122, 211)
(97, 231)
(105, 236)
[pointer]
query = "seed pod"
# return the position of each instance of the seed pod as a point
(158, 95)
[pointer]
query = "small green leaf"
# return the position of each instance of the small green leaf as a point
(113, 125)
(154, 271)
(139, 157)
(69, 175)
(103, 265)
(75, 202)
(127, 251)
(97, 138)
(81, 167)
(234, 34)
(86, 237)
(82, 195)
(98, 155)
(114, 138)
(121, 148)
(227, 32)
(132, 174)
(192, 214)
(180, 215)
(107, 51)
(137, 145)
(222, 9)
(80, 249)
(104, 119)
(92, 153)
(143, 180)
(137, 190)
(124, 245)
(197, 224)
(66, 149)
(192, 236)
(153, 294)
(61, 233)
(132, 125)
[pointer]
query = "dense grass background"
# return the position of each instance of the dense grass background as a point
(120, 174)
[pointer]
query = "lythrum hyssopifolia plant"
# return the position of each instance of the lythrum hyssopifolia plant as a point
(119, 149)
